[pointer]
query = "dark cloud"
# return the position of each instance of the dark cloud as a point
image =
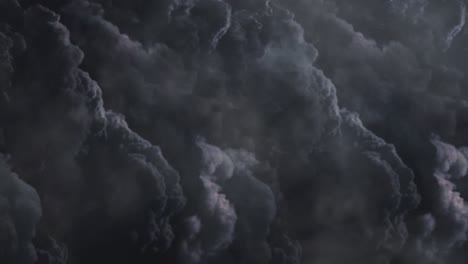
(20, 212)
(222, 131)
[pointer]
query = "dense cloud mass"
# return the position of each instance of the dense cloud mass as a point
(233, 131)
(20, 211)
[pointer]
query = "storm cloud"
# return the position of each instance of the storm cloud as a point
(233, 131)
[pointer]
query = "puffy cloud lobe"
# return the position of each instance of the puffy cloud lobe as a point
(255, 206)
(63, 137)
(451, 164)
(443, 226)
(394, 79)
(211, 229)
(235, 209)
(132, 193)
(379, 78)
(49, 116)
(20, 212)
(337, 215)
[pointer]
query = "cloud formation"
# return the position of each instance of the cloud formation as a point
(222, 131)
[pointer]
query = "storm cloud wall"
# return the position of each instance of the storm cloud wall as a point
(224, 131)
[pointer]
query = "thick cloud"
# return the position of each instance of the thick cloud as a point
(233, 131)
(449, 210)
(65, 143)
(403, 84)
(20, 211)
(212, 229)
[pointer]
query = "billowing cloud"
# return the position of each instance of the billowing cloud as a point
(233, 131)
(20, 212)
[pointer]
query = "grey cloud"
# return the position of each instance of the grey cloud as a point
(212, 228)
(20, 212)
(104, 103)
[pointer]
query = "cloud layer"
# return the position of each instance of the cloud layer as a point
(223, 131)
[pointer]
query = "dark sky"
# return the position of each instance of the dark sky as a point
(233, 132)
